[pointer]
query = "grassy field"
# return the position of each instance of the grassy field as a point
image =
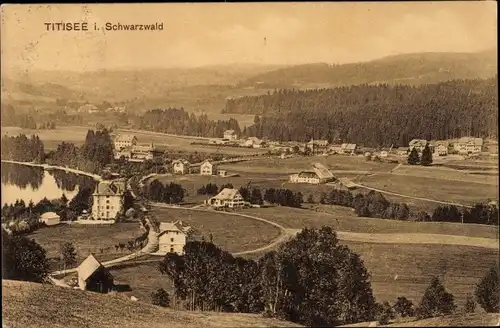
(445, 173)
(231, 233)
(406, 270)
(77, 134)
(193, 182)
(344, 219)
(466, 193)
(296, 164)
(87, 239)
(456, 320)
(35, 305)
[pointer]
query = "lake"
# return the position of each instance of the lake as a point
(33, 183)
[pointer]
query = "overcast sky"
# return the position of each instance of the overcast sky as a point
(269, 33)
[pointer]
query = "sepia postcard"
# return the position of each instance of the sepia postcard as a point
(293, 164)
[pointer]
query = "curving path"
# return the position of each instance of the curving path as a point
(390, 238)
(50, 167)
(407, 196)
(151, 246)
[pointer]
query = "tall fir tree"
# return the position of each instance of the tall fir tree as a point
(426, 159)
(413, 158)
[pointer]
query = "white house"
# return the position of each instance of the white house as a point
(227, 198)
(469, 145)
(108, 200)
(181, 166)
(207, 168)
(50, 218)
(124, 141)
(318, 174)
(317, 145)
(173, 237)
(230, 135)
(441, 148)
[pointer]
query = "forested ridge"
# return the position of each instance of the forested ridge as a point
(378, 115)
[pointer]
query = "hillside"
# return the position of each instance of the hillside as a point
(121, 85)
(459, 320)
(35, 305)
(412, 69)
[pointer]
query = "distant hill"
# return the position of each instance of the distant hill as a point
(31, 305)
(413, 69)
(121, 85)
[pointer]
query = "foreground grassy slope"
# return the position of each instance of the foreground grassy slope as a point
(35, 305)
(459, 320)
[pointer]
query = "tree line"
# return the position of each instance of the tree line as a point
(374, 204)
(311, 280)
(171, 193)
(435, 111)
(179, 121)
(23, 149)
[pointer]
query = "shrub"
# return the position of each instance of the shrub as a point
(487, 292)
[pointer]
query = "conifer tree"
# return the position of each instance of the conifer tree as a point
(413, 158)
(426, 159)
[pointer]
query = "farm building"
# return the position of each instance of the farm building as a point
(181, 166)
(318, 174)
(348, 148)
(93, 276)
(124, 140)
(208, 168)
(173, 237)
(347, 183)
(254, 142)
(108, 200)
(50, 218)
(469, 145)
(230, 135)
(227, 198)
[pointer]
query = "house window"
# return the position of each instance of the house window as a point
(107, 207)
(107, 214)
(107, 201)
(171, 240)
(171, 249)
(107, 196)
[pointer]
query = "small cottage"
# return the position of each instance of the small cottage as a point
(50, 218)
(93, 276)
(230, 135)
(173, 237)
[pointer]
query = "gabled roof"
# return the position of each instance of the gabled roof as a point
(181, 161)
(125, 137)
(322, 171)
(88, 267)
(348, 146)
(207, 161)
(229, 132)
(418, 142)
(308, 174)
(475, 141)
(110, 188)
(227, 193)
(49, 215)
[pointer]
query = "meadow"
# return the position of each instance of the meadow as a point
(446, 173)
(77, 134)
(26, 304)
(461, 192)
(230, 232)
(344, 219)
(192, 182)
(86, 239)
(354, 164)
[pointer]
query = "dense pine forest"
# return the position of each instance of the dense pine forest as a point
(178, 121)
(375, 115)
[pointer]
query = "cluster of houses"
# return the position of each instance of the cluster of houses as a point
(126, 146)
(462, 146)
(207, 168)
